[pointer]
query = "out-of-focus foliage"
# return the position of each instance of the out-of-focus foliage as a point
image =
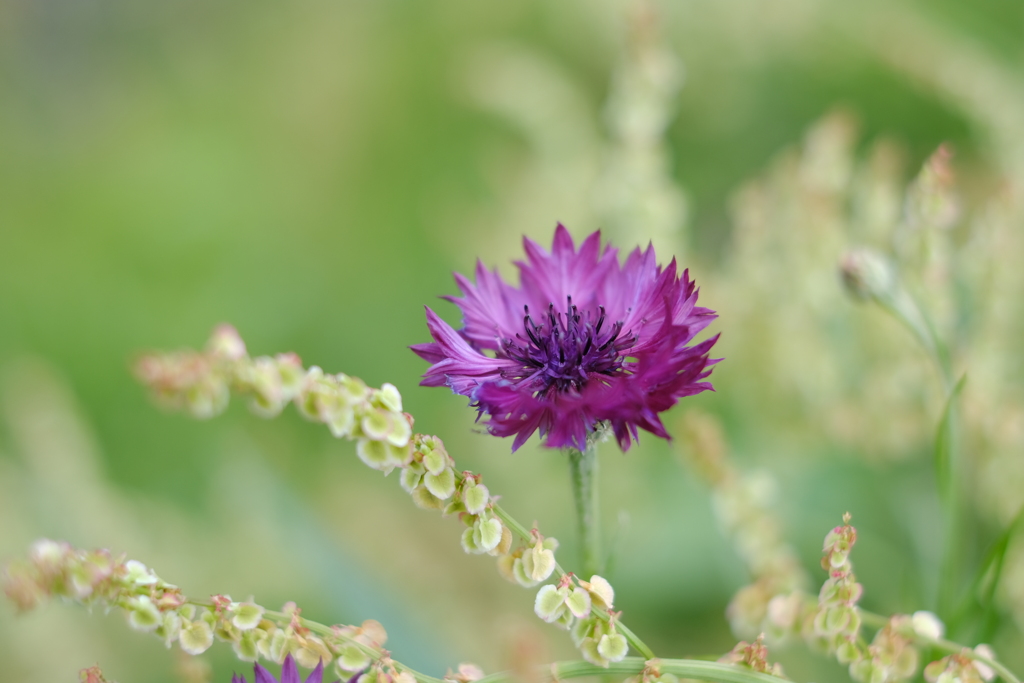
(312, 172)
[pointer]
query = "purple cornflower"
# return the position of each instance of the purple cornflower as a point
(289, 674)
(582, 340)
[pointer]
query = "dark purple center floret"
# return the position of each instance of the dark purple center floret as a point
(568, 350)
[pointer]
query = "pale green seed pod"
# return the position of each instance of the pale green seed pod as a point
(143, 615)
(613, 647)
(401, 430)
(476, 498)
(520, 574)
(247, 616)
(538, 562)
(389, 398)
(170, 627)
(425, 500)
(350, 660)
(504, 545)
(469, 542)
(410, 478)
(590, 652)
(578, 603)
(434, 462)
(195, 637)
(441, 485)
(382, 456)
(550, 602)
(247, 646)
(601, 592)
(487, 534)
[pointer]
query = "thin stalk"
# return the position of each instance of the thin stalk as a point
(694, 669)
(583, 471)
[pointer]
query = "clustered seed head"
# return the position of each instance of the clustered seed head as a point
(201, 384)
(837, 622)
(753, 655)
(962, 667)
(374, 419)
(891, 657)
(96, 578)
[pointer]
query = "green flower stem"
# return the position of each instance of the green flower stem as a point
(630, 666)
(904, 307)
(947, 646)
(583, 469)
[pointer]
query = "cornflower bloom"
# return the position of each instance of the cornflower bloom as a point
(289, 674)
(582, 341)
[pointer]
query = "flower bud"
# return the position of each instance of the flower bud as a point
(225, 343)
(867, 274)
(927, 625)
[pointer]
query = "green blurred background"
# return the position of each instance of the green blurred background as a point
(313, 172)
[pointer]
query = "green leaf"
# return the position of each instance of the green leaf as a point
(944, 442)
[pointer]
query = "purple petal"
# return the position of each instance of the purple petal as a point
(317, 675)
(289, 670)
(235, 678)
(262, 675)
(462, 367)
